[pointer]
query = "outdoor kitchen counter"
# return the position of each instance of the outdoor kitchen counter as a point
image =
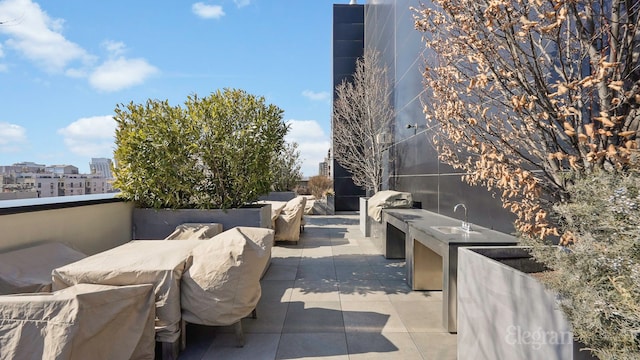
(431, 243)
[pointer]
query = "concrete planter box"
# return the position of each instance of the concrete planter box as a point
(278, 196)
(365, 221)
(505, 313)
(157, 224)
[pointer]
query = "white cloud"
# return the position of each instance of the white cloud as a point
(1, 51)
(316, 96)
(121, 73)
(242, 3)
(115, 48)
(11, 137)
(207, 11)
(313, 143)
(38, 37)
(90, 137)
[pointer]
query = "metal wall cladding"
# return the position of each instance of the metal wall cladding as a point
(348, 46)
(413, 164)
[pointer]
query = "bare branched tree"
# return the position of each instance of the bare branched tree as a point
(361, 112)
(525, 90)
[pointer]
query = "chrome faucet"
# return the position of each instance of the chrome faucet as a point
(465, 223)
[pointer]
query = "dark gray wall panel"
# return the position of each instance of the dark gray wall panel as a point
(413, 159)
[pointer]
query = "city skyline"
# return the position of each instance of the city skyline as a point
(65, 67)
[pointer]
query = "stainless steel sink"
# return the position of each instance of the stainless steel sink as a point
(448, 230)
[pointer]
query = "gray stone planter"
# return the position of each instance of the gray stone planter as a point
(157, 224)
(278, 196)
(505, 313)
(365, 221)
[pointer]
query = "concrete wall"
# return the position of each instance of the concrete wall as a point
(88, 228)
(505, 313)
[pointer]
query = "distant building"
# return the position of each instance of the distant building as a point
(101, 166)
(324, 168)
(61, 169)
(36, 180)
(21, 167)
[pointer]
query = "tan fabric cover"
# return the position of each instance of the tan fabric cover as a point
(157, 262)
(195, 231)
(29, 270)
(288, 222)
(387, 199)
(276, 208)
(223, 284)
(80, 322)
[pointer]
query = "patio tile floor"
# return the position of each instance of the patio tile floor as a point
(331, 297)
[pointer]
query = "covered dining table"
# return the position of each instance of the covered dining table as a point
(157, 262)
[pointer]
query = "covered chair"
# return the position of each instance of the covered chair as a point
(289, 222)
(387, 199)
(29, 269)
(84, 321)
(222, 286)
(195, 231)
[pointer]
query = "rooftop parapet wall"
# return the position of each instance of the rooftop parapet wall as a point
(89, 224)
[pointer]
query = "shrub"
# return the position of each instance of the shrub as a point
(597, 275)
(213, 153)
(320, 185)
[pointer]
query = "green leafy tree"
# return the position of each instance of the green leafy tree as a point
(286, 168)
(215, 152)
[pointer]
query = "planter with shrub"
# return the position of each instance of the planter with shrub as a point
(214, 152)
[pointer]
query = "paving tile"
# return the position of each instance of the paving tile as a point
(357, 272)
(270, 318)
(315, 290)
(371, 316)
(399, 290)
(281, 272)
(441, 346)
(276, 290)
(349, 259)
(313, 346)
(316, 271)
(362, 290)
(313, 316)
(257, 346)
(286, 251)
(390, 271)
(367, 345)
(317, 252)
(421, 316)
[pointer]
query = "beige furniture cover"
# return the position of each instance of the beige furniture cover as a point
(81, 322)
(195, 231)
(157, 262)
(387, 199)
(289, 221)
(29, 270)
(276, 209)
(222, 286)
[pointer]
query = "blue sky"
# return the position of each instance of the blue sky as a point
(65, 65)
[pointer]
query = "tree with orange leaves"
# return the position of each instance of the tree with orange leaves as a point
(526, 90)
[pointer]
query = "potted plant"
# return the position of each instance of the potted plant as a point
(204, 162)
